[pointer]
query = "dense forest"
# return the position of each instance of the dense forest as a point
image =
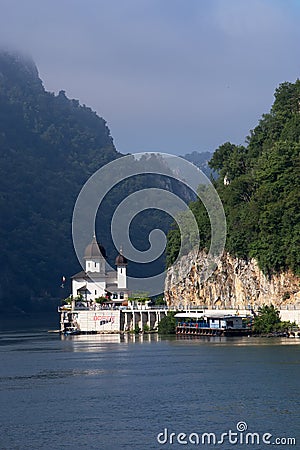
(43, 166)
(259, 185)
(49, 146)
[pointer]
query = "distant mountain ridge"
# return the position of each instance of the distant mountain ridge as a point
(201, 160)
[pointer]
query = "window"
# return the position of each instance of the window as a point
(121, 270)
(95, 264)
(115, 295)
(95, 292)
(121, 295)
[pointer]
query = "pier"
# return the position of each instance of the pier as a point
(110, 320)
(191, 330)
(139, 318)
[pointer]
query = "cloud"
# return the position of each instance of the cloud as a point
(255, 18)
(173, 75)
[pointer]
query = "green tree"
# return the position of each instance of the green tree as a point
(259, 185)
(267, 320)
(167, 325)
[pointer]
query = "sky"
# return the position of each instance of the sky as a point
(174, 76)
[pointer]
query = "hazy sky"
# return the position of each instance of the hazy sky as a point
(167, 75)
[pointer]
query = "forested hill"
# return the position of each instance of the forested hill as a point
(49, 146)
(259, 185)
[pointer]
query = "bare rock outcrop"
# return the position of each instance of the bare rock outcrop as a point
(235, 283)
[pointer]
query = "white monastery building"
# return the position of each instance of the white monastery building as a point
(96, 281)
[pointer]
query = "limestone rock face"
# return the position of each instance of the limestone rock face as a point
(235, 283)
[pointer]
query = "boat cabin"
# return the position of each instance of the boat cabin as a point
(215, 323)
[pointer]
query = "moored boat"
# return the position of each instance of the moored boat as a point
(199, 323)
(71, 330)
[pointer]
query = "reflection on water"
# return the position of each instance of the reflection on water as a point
(99, 342)
(239, 341)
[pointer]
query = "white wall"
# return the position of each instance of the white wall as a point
(99, 320)
(97, 289)
(95, 265)
(122, 280)
(76, 285)
(293, 315)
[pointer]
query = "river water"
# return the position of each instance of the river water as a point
(108, 392)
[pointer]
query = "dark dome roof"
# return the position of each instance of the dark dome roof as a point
(120, 260)
(94, 250)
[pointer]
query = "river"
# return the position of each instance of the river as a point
(108, 392)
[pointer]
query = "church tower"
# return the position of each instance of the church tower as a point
(121, 263)
(97, 280)
(94, 256)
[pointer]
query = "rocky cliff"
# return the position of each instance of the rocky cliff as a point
(236, 283)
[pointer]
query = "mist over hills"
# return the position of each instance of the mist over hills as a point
(49, 146)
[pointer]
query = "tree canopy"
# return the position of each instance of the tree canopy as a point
(268, 320)
(259, 185)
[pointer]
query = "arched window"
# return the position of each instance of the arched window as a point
(121, 295)
(115, 295)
